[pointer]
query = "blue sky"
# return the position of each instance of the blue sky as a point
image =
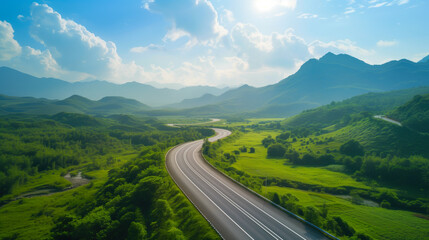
(202, 42)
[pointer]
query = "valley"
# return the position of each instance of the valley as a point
(353, 165)
(214, 119)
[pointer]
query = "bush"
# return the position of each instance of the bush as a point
(276, 198)
(268, 141)
(385, 204)
(352, 148)
(136, 231)
(276, 151)
(293, 156)
(243, 149)
(252, 150)
(363, 236)
(312, 215)
(283, 136)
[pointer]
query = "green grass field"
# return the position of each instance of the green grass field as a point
(257, 164)
(376, 222)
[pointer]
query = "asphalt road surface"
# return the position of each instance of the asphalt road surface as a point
(234, 211)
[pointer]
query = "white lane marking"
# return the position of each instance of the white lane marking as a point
(234, 204)
(177, 164)
(246, 199)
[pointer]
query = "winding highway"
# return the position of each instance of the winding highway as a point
(234, 211)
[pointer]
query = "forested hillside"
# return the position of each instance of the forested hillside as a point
(130, 195)
(414, 114)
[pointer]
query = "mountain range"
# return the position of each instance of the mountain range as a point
(317, 82)
(15, 83)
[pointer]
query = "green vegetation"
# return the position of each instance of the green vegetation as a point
(73, 104)
(414, 114)
(355, 176)
(130, 195)
(342, 112)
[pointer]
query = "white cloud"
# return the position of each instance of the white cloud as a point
(307, 15)
(349, 10)
(247, 36)
(9, 47)
(76, 49)
(237, 63)
(71, 44)
(277, 50)
(377, 5)
(401, 2)
(268, 5)
(196, 19)
(41, 60)
(20, 17)
(385, 3)
(383, 43)
(319, 48)
(175, 34)
(227, 16)
(144, 49)
(27, 59)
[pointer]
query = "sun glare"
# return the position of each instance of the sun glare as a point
(264, 5)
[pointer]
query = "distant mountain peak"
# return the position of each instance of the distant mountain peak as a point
(245, 86)
(425, 59)
(77, 97)
(343, 59)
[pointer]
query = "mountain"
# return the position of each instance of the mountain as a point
(15, 83)
(317, 82)
(414, 114)
(425, 59)
(339, 112)
(73, 104)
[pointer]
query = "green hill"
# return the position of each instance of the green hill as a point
(381, 137)
(414, 114)
(73, 104)
(75, 119)
(375, 103)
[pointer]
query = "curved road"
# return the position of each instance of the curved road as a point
(233, 211)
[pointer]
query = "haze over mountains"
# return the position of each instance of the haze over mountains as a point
(15, 83)
(317, 82)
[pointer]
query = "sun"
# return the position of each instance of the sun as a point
(264, 5)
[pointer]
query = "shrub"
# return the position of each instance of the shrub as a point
(276, 151)
(352, 148)
(243, 149)
(268, 141)
(385, 204)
